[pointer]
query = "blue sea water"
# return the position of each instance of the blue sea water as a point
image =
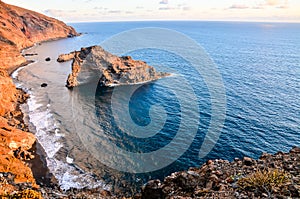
(260, 68)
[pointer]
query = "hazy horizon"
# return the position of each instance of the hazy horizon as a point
(73, 11)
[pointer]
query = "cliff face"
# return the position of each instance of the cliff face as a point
(21, 28)
(112, 70)
(15, 140)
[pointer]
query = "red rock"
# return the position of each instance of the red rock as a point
(21, 28)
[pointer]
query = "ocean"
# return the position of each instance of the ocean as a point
(119, 138)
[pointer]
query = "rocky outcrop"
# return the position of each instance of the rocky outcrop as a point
(15, 140)
(112, 70)
(271, 176)
(21, 28)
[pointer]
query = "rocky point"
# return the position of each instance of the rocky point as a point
(111, 69)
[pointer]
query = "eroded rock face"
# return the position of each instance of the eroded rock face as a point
(113, 70)
(21, 28)
(15, 141)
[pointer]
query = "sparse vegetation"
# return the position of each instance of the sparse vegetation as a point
(28, 194)
(266, 181)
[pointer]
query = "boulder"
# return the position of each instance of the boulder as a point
(44, 85)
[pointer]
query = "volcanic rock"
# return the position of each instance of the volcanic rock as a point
(112, 70)
(43, 85)
(21, 28)
(220, 179)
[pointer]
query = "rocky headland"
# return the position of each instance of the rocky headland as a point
(21, 28)
(111, 69)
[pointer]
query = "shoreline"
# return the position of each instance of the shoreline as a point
(178, 175)
(18, 143)
(47, 182)
(52, 189)
(23, 159)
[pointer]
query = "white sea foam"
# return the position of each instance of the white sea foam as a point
(16, 73)
(49, 136)
(69, 160)
(47, 132)
(138, 83)
(44, 124)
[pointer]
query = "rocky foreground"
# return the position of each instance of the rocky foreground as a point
(271, 176)
(111, 69)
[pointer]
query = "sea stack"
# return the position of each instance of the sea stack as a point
(112, 70)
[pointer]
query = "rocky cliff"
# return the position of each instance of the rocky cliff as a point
(112, 70)
(21, 28)
(14, 136)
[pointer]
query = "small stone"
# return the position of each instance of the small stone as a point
(48, 59)
(105, 193)
(214, 178)
(248, 161)
(295, 150)
(229, 180)
(43, 85)
(264, 195)
(209, 162)
(219, 173)
(222, 187)
(193, 173)
(209, 185)
(13, 145)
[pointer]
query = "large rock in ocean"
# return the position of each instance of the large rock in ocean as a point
(111, 69)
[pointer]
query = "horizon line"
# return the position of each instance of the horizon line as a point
(183, 20)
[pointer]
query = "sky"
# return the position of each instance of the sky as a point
(138, 10)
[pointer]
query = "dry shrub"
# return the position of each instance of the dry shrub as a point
(28, 194)
(269, 181)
